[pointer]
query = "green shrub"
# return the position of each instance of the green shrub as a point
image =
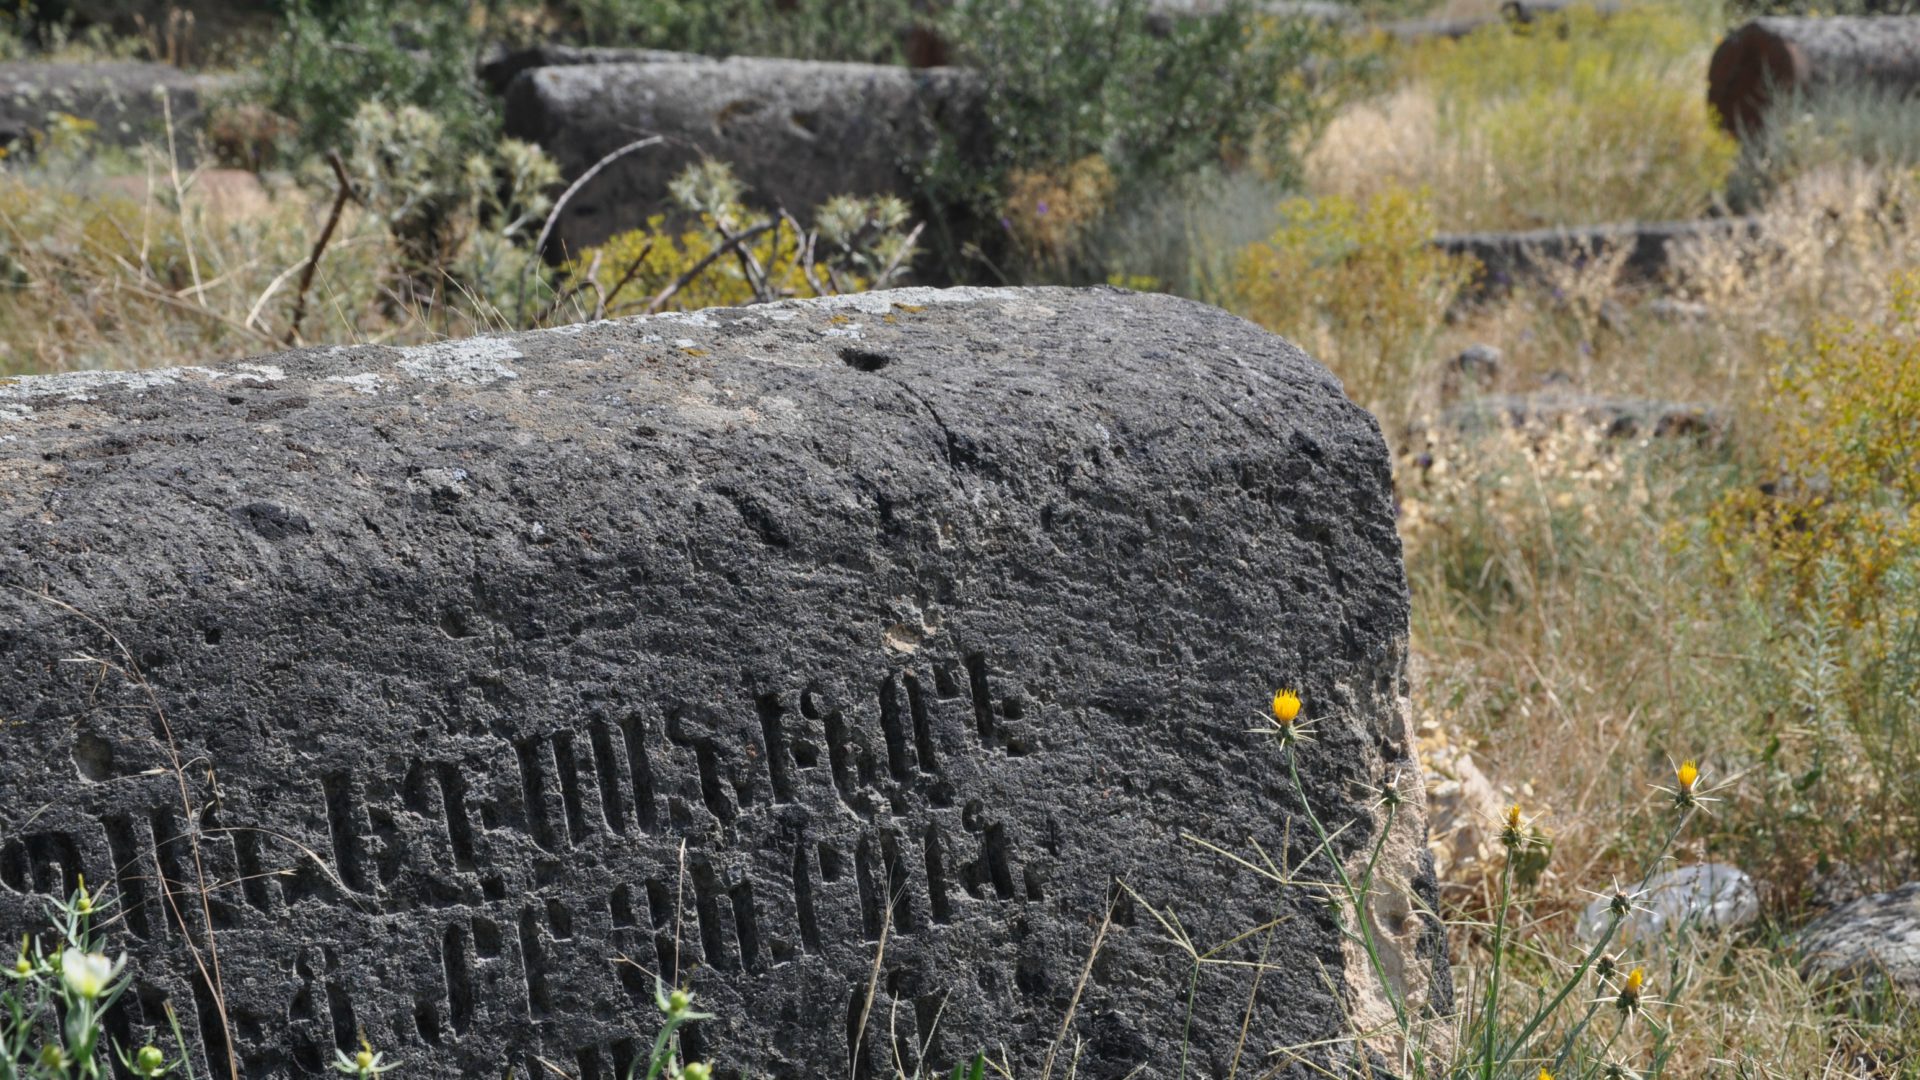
(1358, 284)
(1842, 505)
(1154, 98)
(1823, 556)
(873, 31)
(856, 244)
(450, 210)
(333, 58)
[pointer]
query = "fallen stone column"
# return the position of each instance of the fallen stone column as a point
(502, 675)
(1779, 55)
(1509, 258)
(1511, 13)
(796, 132)
(126, 101)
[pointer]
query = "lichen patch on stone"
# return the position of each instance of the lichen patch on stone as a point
(474, 362)
(84, 385)
(366, 382)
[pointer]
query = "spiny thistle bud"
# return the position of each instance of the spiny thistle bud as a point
(1390, 796)
(1513, 834)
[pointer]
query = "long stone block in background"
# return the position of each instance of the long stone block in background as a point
(796, 132)
(1510, 258)
(1775, 57)
(125, 100)
(505, 673)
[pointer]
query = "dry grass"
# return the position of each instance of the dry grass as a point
(143, 271)
(1576, 621)
(1572, 120)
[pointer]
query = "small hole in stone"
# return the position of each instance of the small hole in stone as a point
(864, 360)
(211, 635)
(805, 754)
(93, 756)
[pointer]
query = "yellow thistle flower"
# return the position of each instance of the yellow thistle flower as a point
(1687, 791)
(1544, 1074)
(1286, 706)
(1688, 774)
(1631, 987)
(1513, 816)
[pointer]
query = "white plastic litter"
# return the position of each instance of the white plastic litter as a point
(1704, 896)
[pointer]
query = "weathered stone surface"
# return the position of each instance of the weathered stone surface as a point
(1511, 13)
(122, 97)
(1697, 898)
(796, 132)
(500, 69)
(1873, 938)
(926, 615)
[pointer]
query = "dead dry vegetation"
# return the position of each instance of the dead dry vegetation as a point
(1593, 600)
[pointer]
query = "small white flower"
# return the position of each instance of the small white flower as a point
(88, 975)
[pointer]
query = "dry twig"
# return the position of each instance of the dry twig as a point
(320, 244)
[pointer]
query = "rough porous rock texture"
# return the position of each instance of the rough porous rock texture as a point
(796, 132)
(1875, 938)
(501, 674)
(123, 98)
(500, 69)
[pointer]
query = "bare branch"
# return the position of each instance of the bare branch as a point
(700, 267)
(320, 244)
(553, 216)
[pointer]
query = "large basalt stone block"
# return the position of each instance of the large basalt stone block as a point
(484, 680)
(796, 132)
(126, 101)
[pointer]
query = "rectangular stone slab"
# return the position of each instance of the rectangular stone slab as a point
(127, 101)
(481, 682)
(795, 132)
